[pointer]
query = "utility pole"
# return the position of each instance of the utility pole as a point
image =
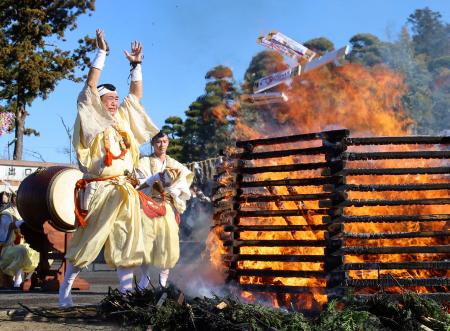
(9, 144)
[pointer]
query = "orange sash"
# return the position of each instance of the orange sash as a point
(150, 207)
(80, 214)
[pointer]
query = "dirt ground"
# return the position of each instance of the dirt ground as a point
(101, 277)
(14, 317)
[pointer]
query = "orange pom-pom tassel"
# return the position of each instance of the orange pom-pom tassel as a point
(108, 158)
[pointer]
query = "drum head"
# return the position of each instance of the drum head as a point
(60, 199)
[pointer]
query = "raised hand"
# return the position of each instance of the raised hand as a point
(101, 43)
(136, 52)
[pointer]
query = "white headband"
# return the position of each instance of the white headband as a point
(102, 90)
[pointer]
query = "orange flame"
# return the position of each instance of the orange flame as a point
(367, 101)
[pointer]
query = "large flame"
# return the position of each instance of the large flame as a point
(368, 103)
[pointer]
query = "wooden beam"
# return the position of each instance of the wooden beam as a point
(282, 288)
(280, 153)
(276, 258)
(401, 187)
(432, 265)
(361, 250)
(280, 273)
(387, 218)
(396, 155)
(393, 171)
(296, 197)
(395, 235)
(263, 228)
(275, 243)
(426, 140)
(284, 168)
(292, 138)
(379, 202)
(292, 182)
(286, 212)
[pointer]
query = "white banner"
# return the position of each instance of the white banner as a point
(334, 56)
(275, 79)
(277, 47)
(299, 49)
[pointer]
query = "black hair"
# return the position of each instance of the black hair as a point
(160, 134)
(110, 87)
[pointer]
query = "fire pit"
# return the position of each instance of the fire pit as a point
(303, 218)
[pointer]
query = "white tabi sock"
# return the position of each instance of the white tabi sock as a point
(65, 298)
(163, 276)
(144, 280)
(18, 278)
(125, 276)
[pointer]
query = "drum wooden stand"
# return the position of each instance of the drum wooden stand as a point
(51, 244)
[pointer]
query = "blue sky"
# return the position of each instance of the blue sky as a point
(183, 39)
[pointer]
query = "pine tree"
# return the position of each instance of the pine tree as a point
(320, 45)
(207, 128)
(367, 49)
(267, 117)
(431, 36)
(174, 127)
(31, 64)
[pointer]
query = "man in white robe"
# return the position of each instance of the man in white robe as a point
(107, 138)
(161, 234)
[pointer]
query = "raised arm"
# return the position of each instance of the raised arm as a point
(135, 58)
(99, 61)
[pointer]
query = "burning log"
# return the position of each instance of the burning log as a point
(287, 212)
(378, 202)
(292, 182)
(224, 217)
(401, 187)
(280, 273)
(282, 153)
(389, 218)
(222, 193)
(277, 258)
(226, 179)
(433, 265)
(312, 227)
(355, 250)
(222, 206)
(396, 155)
(272, 243)
(284, 168)
(395, 171)
(282, 289)
(426, 140)
(387, 235)
(250, 144)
